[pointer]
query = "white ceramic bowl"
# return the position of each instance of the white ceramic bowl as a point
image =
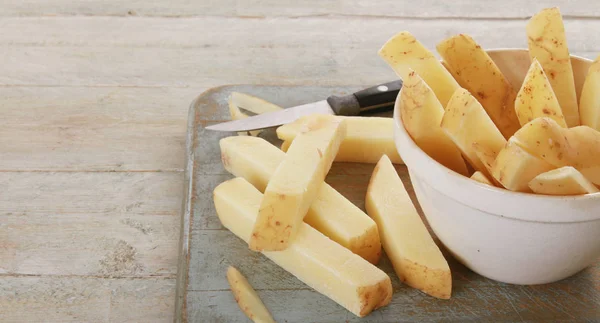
(511, 237)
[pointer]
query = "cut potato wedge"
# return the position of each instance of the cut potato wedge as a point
(476, 71)
(562, 181)
(578, 147)
(247, 298)
(295, 184)
(548, 43)
(251, 103)
(466, 122)
(331, 213)
(313, 258)
(514, 167)
(478, 176)
(486, 155)
(536, 98)
(453, 73)
(403, 52)
(421, 115)
(367, 138)
(589, 104)
(586, 142)
(416, 258)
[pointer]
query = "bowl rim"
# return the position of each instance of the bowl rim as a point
(492, 189)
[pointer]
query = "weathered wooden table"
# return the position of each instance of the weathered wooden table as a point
(93, 105)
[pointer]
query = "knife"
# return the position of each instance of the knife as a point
(377, 97)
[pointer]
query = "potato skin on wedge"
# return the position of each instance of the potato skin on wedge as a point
(466, 122)
(476, 71)
(548, 44)
(295, 183)
(403, 52)
(421, 115)
(536, 98)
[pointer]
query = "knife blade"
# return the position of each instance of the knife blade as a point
(381, 96)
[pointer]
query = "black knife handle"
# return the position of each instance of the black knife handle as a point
(380, 96)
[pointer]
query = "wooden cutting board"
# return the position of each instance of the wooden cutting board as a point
(207, 249)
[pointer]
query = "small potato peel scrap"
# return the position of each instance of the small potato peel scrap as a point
(247, 298)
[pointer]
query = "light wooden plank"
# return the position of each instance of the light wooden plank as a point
(85, 299)
(95, 147)
(349, 34)
(55, 106)
(44, 193)
(110, 66)
(99, 224)
(259, 8)
(115, 128)
(169, 52)
(129, 246)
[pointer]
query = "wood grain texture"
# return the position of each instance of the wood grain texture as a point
(260, 8)
(93, 129)
(322, 51)
(94, 224)
(86, 299)
(292, 33)
(203, 292)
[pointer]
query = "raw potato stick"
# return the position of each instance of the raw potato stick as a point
(548, 44)
(403, 52)
(295, 184)
(562, 181)
(416, 258)
(421, 115)
(466, 122)
(536, 98)
(319, 262)
(589, 104)
(367, 138)
(514, 167)
(247, 298)
(255, 159)
(476, 71)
